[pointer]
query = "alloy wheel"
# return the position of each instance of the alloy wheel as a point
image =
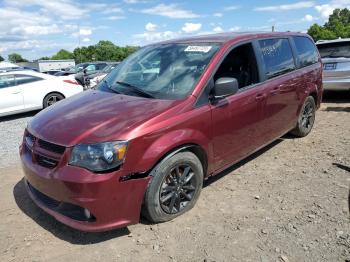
(177, 189)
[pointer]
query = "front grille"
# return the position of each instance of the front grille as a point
(44, 153)
(51, 147)
(45, 161)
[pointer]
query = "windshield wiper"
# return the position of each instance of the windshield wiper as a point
(109, 86)
(136, 89)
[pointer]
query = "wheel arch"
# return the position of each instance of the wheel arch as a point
(50, 93)
(194, 148)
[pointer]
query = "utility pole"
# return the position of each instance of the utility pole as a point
(79, 43)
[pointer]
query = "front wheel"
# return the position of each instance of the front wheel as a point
(306, 118)
(51, 99)
(175, 187)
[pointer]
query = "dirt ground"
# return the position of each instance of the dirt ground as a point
(288, 202)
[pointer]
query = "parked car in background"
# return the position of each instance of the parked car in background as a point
(22, 91)
(169, 116)
(336, 63)
(93, 79)
(90, 69)
(52, 72)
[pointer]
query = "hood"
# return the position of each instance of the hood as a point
(94, 116)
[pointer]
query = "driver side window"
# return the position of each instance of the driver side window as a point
(241, 64)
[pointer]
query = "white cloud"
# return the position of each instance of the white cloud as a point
(150, 37)
(85, 31)
(113, 10)
(65, 9)
(235, 28)
(86, 39)
(135, 1)
(115, 17)
(151, 27)
(308, 18)
(171, 11)
(232, 7)
(191, 27)
(218, 29)
(327, 9)
(218, 14)
(286, 7)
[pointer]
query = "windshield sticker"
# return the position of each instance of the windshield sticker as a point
(198, 48)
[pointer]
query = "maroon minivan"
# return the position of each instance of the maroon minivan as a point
(169, 116)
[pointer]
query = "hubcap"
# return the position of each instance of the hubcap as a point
(307, 118)
(52, 99)
(177, 189)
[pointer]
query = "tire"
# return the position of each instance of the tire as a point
(168, 194)
(306, 118)
(51, 99)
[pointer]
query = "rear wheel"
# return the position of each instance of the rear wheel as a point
(174, 188)
(51, 99)
(306, 118)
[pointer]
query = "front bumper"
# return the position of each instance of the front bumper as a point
(336, 83)
(67, 192)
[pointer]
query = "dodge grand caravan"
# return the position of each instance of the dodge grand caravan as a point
(169, 116)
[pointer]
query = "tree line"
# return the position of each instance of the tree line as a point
(338, 25)
(102, 51)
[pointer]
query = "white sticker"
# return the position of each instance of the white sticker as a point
(198, 48)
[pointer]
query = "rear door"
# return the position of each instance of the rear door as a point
(281, 85)
(11, 95)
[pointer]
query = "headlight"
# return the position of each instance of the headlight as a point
(99, 157)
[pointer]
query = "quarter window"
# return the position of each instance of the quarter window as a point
(277, 56)
(7, 81)
(306, 51)
(25, 79)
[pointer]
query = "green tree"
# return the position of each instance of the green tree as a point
(338, 25)
(1, 58)
(44, 58)
(16, 58)
(63, 54)
(102, 51)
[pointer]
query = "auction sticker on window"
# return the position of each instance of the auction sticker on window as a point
(198, 48)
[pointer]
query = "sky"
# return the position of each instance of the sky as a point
(37, 28)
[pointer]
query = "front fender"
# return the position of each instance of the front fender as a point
(166, 143)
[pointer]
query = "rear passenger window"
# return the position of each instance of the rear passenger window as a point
(306, 51)
(277, 56)
(25, 79)
(7, 81)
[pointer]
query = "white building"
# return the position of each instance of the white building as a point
(47, 65)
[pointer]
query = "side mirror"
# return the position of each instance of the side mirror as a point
(225, 86)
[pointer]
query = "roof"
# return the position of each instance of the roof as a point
(229, 36)
(339, 40)
(8, 65)
(55, 61)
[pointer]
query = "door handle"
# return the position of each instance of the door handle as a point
(260, 97)
(16, 92)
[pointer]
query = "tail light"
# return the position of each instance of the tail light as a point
(69, 81)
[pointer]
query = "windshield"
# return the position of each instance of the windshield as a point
(109, 68)
(340, 49)
(167, 71)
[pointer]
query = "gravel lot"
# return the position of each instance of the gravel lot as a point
(288, 202)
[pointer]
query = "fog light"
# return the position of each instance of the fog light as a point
(87, 213)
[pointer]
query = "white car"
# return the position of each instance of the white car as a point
(22, 91)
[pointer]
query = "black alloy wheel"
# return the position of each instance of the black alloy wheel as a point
(177, 189)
